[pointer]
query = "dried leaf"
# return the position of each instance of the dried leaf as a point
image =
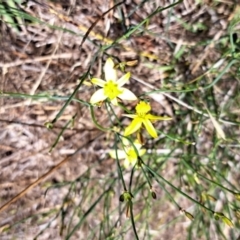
(220, 132)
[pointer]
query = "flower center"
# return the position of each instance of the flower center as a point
(142, 109)
(111, 90)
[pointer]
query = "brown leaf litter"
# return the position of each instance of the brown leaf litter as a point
(43, 60)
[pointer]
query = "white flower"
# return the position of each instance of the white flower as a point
(112, 87)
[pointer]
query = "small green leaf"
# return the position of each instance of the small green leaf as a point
(237, 196)
(205, 196)
(210, 197)
(218, 215)
(189, 215)
(221, 216)
(227, 221)
(126, 196)
(196, 178)
(237, 214)
(48, 125)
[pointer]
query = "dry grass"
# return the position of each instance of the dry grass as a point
(43, 60)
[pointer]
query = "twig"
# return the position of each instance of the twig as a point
(36, 59)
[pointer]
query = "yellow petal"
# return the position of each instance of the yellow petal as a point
(153, 117)
(99, 82)
(110, 72)
(133, 127)
(127, 95)
(98, 96)
(143, 108)
(131, 160)
(124, 79)
(120, 154)
(150, 128)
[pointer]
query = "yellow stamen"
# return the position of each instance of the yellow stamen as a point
(111, 90)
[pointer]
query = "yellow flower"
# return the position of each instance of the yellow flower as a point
(143, 116)
(112, 87)
(129, 154)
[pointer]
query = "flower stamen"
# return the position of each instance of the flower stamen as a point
(142, 109)
(111, 90)
(143, 117)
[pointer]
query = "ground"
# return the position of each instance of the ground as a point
(57, 179)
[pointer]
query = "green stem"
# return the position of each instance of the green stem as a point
(145, 175)
(169, 195)
(216, 183)
(209, 180)
(131, 31)
(178, 190)
(96, 123)
(71, 97)
(61, 133)
(77, 226)
(118, 164)
(132, 219)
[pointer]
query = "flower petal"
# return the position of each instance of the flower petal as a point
(137, 145)
(153, 117)
(125, 142)
(124, 79)
(127, 95)
(130, 115)
(150, 128)
(141, 152)
(143, 108)
(110, 72)
(98, 96)
(133, 127)
(99, 82)
(114, 102)
(126, 163)
(131, 159)
(120, 154)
